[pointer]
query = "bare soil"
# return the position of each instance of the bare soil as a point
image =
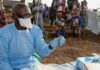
(73, 48)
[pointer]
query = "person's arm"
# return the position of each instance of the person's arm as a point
(40, 45)
(4, 61)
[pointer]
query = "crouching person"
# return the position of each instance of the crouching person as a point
(19, 41)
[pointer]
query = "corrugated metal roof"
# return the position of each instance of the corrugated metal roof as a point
(10, 3)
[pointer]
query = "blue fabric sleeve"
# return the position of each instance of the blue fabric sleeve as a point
(80, 21)
(40, 45)
(4, 62)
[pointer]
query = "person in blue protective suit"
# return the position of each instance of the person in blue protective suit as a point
(20, 40)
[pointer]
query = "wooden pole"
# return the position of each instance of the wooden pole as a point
(33, 1)
(22, 1)
(1, 4)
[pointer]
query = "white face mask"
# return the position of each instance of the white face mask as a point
(25, 22)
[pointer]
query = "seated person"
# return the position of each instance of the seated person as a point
(61, 23)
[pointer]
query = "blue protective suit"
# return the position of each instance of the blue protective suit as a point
(17, 47)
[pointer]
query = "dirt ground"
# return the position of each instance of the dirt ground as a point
(74, 48)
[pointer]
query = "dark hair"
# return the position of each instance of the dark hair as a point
(18, 6)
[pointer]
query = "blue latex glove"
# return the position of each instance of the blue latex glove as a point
(57, 42)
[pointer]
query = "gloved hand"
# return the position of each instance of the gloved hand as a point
(57, 42)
